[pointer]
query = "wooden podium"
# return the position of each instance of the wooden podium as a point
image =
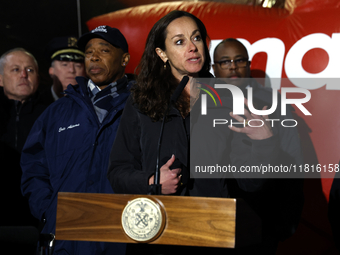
(193, 221)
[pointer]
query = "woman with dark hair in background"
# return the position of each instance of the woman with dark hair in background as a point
(176, 47)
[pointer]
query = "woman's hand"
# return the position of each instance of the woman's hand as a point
(170, 179)
(256, 132)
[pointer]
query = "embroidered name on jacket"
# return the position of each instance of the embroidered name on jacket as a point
(69, 127)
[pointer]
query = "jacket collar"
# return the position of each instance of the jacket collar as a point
(29, 103)
(122, 85)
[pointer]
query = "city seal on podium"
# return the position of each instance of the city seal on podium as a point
(143, 219)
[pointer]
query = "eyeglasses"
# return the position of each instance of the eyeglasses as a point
(241, 62)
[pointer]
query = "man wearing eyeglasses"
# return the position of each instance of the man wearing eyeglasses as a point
(231, 61)
(280, 204)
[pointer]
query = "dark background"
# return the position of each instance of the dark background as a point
(31, 24)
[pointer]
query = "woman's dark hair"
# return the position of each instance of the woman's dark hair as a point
(155, 84)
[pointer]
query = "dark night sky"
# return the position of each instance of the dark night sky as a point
(31, 24)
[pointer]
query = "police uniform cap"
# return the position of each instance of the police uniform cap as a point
(64, 49)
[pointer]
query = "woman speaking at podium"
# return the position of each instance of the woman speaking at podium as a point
(176, 47)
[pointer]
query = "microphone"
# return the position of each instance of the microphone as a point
(179, 89)
(156, 188)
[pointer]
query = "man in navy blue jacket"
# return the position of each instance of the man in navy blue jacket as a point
(69, 145)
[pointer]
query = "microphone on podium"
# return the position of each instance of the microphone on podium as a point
(156, 188)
